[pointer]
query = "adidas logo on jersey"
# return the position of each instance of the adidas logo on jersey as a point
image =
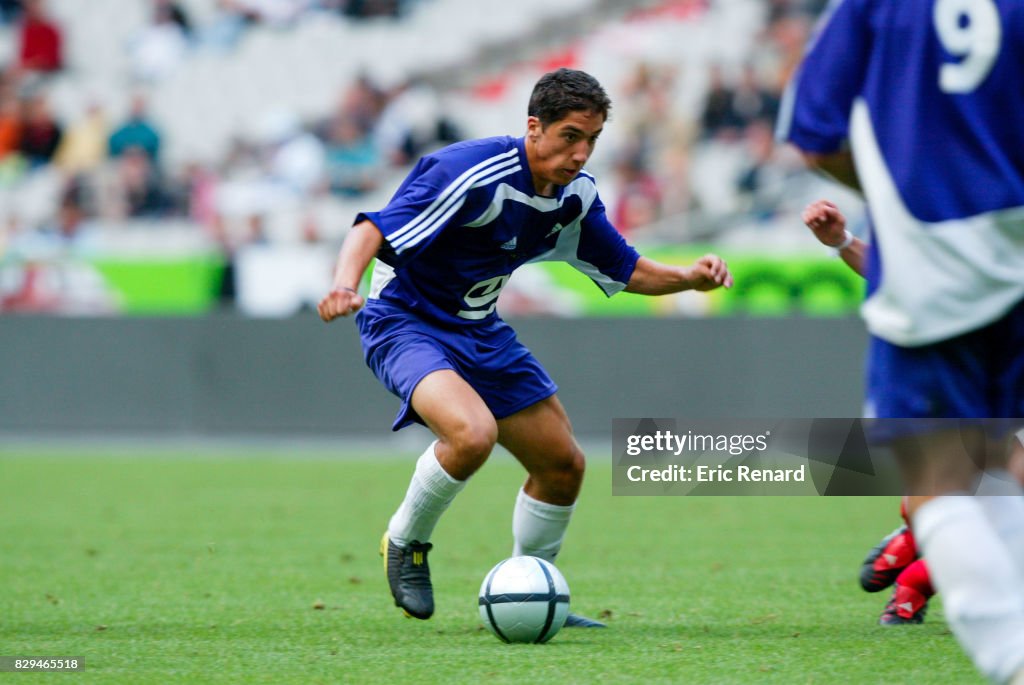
(509, 244)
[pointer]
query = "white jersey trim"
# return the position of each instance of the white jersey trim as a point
(567, 246)
(581, 186)
(566, 250)
(382, 275)
(939, 279)
(440, 221)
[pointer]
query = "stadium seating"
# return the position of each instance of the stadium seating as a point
(481, 59)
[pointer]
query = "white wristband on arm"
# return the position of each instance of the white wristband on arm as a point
(848, 239)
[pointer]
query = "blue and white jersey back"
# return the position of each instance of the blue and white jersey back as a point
(467, 216)
(928, 94)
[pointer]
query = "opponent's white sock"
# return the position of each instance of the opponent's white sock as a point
(982, 592)
(1002, 499)
(430, 492)
(997, 482)
(538, 527)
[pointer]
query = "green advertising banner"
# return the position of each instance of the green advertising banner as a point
(807, 284)
(181, 285)
(766, 285)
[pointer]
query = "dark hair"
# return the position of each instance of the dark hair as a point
(567, 90)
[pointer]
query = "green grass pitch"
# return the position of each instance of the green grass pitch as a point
(261, 567)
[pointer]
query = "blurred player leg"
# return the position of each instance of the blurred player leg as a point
(1015, 462)
(1002, 499)
(983, 591)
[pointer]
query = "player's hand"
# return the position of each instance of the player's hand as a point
(709, 272)
(826, 222)
(339, 302)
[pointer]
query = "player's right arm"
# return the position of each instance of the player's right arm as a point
(359, 248)
(836, 165)
(829, 226)
(816, 114)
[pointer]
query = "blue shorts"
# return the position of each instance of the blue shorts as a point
(402, 348)
(979, 374)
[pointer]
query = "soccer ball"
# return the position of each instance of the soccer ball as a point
(524, 599)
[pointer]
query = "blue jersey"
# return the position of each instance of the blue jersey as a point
(926, 93)
(467, 216)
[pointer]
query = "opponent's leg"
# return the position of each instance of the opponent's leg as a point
(887, 560)
(969, 564)
(909, 602)
(1002, 498)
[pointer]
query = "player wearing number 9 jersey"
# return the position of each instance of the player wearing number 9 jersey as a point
(915, 102)
(924, 93)
(472, 212)
(461, 223)
(447, 242)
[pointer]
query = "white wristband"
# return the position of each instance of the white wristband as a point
(848, 239)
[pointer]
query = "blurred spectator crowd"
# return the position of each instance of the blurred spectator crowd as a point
(699, 166)
(112, 171)
(692, 142)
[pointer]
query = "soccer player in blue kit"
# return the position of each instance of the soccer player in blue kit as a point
(463, 220)
(922, 92)
(894, 561)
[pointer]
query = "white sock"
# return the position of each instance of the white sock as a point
(1002, 499)
(982, 592)
(538, 527)
(430, 492)
(997, 482)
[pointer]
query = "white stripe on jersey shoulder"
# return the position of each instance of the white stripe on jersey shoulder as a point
(454, 205)
(455, 189)
(582, 186)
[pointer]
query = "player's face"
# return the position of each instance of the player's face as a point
(557, 152)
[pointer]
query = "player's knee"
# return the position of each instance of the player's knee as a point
(575, 465)
(564, 472)
(473, 441)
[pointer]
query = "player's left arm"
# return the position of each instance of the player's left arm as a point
(654, 278)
